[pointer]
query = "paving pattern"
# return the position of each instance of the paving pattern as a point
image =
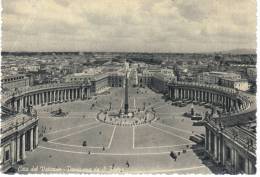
(108, 148)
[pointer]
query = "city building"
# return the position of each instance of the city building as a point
(240, 84)
(116, 79)
(161, 79)
(15, 81)
(145, 78)
(99, 81)
(156, 78)
(251, 73)
(214, 77)
(34, 67)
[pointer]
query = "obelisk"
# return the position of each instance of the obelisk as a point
(126, 94)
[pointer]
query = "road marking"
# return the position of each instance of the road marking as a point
(115, 154)
(153, 105)
(75, 145)
(170, 133)
(111, 139)
(134, 104)
(185, 131)
(133, 137)
(154, 147)
(76, 132)
(70, 112)
(67, 118)
(121, 104)
(176, 170)
(160, 106)
(102, 108)
(61, 130)
(163, 113)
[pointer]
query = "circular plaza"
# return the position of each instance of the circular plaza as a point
(81, 141)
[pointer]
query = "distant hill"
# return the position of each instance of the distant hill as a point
(239, 51)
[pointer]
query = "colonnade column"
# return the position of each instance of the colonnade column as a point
(31, 100)
(13, 151)
(249, 168)
(234, 158)
(24, 101)
(216, 147)
(236, 105)
(210, 141)
(77, 93)
(88, 91)
(219, 149)
(72, 94)
(82, 93)
(50, 96)
(63, 95)
(31, 139)
(61, 98)
(36, 99)
(54, 96)
(206, 139)
(23, 147)
(69, 94)
(224, 153)
(36, 136)
(21, 103)
(43, 98)
(46, 97)
(57, 95)
(18, 148)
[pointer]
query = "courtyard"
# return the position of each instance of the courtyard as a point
(79, 142)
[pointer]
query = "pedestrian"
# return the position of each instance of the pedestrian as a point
(127, 164)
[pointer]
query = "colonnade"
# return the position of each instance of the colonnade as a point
(223, 151)
(49, 96)
(221, 144)
(26, 141)
(229, 102)
(14, 149)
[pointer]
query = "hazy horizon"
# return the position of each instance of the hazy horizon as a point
(251, 51)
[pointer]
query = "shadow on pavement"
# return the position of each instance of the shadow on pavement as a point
(199, 151)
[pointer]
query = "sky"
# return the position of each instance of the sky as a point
(128, 25)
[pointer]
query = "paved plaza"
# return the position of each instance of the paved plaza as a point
(79, 142)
